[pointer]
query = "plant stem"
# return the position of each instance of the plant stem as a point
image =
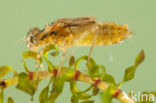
(102, 85)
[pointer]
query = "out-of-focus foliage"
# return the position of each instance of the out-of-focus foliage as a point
(50, 92)
(45, 54)
(106, 95)
(1, 96)
(10, 100)
(26, 85)
(4, 70)
(130, 71)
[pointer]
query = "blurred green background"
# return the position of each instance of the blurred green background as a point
(18, 16)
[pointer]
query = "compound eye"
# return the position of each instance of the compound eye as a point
(31, 39)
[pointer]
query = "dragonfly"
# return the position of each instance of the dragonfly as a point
(79, 31)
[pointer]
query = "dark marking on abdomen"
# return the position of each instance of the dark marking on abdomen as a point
(53, 33)
(44, 36)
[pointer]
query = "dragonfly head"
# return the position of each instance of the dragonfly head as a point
(32, 38)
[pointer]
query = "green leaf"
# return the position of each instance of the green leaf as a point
(95, 91)
(31, 54)
(140, 58)
(43, 97)
(105, 76)
(58, 84)
(108, 78)
(45, 53)
(102, 71)
(72, 61)
(50, 65)
(25, 66)
(4, 70)
(10, 100)
(74, 99)
(73, 88)
(56, 53)
(52, 98)
(106, 95)
(129, 73)
(1, 96)
(69, 74)
(81, 94)
(50, 47)
(88, 101)
(93, 68)
(91, 61)
(84, 96)
(25, 85)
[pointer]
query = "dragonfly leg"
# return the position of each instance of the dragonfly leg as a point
(91, 49)
(61, 62)
(93, 43)
(37, 64)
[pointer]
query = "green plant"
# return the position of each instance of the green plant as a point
(100, 81)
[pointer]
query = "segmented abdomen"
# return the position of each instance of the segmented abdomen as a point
(109, 33)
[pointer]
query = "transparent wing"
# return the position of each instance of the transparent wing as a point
(77, 25)
(77, 21)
